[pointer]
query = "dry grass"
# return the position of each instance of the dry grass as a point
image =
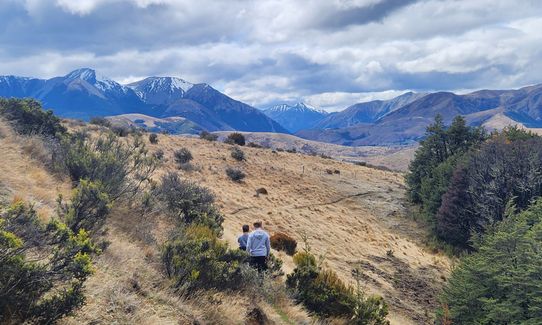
(22, 171)
(352, 218)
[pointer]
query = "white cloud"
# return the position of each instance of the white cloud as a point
(268, 51)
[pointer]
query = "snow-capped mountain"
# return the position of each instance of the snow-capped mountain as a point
(83, 93)
(161, 90)
(295, 117)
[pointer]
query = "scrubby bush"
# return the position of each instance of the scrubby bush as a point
(102, 121)
(158, 154)
(235, 175)
(282, 242)
(121, 168)
(40, 288)
(197, 259)
(254, 145)
(208, 136)
(121, 131)
(88, 208)
(325, 294)
(188, 203)
(237, 154)
(182, 156)
(153, 138)
(27, 117)
(236, 138)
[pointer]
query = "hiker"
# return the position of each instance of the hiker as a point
(242, 240)
(258, 247)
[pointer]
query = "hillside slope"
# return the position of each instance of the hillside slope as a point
(355, 217)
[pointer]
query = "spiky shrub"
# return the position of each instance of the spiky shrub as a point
(236, 138)
(102, 121)
(121, 167)
(28, 117)
(237, 154)
(88, 208)
(188, 203)
(235, 175)
(40, 288)
(324, 293)
(282, 242)
(153, 138)
(182, 156)
(197, 259)
(208, 136)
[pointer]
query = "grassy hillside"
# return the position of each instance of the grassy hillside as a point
(352, 216)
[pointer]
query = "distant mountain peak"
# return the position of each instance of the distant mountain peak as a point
(86, 74)
(299, 106)
(171, 83)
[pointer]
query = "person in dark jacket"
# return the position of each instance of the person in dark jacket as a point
(258, 247)
(242, 240)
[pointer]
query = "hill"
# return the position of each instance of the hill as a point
(295, 117)
(406, 124)
(354, 216)
(83, 94)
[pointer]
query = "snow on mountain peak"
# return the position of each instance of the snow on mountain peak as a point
(295, 107)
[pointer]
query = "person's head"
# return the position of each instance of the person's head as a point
(245, 228)
(257, 224)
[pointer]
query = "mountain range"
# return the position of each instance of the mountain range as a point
(296, 117)
(389, 124)
(178, 106)
(83, 93)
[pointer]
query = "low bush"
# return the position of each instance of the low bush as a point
(235, 175)
(99, 120)
(121, 168)
(188, 203)
(237, 154)
(27, 117)
(182, 156)
(197, 259)
(153, 138)
(236, 138)
(40, 288)
(282, 242)
(208, 136)
(121, 131)
(158, 154)
(88, 208)
(254, 145)
(324, 293)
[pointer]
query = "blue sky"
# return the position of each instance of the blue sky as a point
(328, 53)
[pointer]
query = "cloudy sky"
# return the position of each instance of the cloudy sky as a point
(328, 53)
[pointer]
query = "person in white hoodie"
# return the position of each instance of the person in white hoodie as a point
(258, 247)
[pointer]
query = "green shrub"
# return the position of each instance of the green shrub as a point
(28, 117)
(121, 168)
(282, 242)
(40, 288)
(235, 175)
(188, 203)
(237, 154)
(197, 259)
(208, 136)
(102, 121)
(325, 294)
(236, 138)
(153, 138)
(182, 156)
(88, 208)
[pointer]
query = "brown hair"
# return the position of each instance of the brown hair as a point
(246, 228)
(257, 224)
